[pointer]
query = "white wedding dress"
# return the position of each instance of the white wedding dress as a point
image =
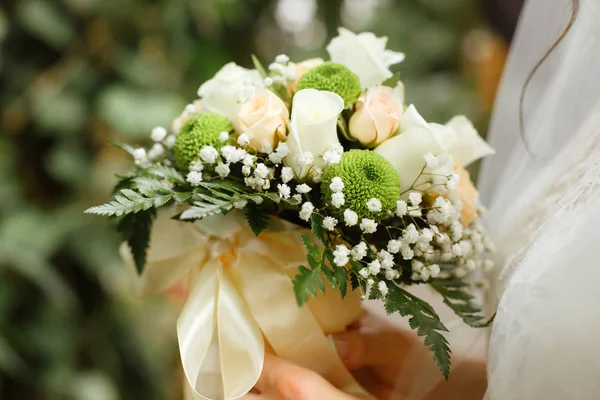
(544, 216)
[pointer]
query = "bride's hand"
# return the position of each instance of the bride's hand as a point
(375, 351)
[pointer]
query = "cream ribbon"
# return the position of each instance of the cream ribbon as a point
(242, 291)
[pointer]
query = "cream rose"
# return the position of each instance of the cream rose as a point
(468, 197)
(228, 88)
(469, 146)
(264, 118)
(365, 55)
(313, 129)
(377, 115)
(302, 68)
(416, 138)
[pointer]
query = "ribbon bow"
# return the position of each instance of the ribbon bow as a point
(241, 291)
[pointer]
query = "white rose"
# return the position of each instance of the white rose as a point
(301, 68)
(264, 118)
(228, 88)
(377, 114)
(313, 128)
(365, 55)
(469, 146)
(406, 151)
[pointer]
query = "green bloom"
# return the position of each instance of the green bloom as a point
(366, 175)
(198, 131)
(334, 78)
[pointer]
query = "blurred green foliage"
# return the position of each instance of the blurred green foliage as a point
(77, 74)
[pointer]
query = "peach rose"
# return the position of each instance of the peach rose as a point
(264, 118)
(468, 196)
(179, 121)
(377, 115)
(302, 68)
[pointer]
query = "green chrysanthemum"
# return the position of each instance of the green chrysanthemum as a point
(366, 175)
(334, 78)
(198, 131)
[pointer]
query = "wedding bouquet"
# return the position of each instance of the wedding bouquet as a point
(324, 151)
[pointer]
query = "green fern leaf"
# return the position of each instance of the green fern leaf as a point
(316, 226)
(257, 218)
(136, 229)
(455, 295)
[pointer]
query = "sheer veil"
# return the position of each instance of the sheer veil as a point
(560, 110)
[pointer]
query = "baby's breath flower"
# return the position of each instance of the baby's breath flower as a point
(371, 281)
(196, 166)
(222, 169)
(268, 81)
(249, 160)
(374, 267)
(431, 160)
(240, 204)
(170, 141)
(393, 246)
(306, 211)
(401, 208)
(387, 260)
(364, 273)
(284, 191)
(374, 205)
(340, 255)
(246, 170)
(303, 188)
(297, 197)
(336, 185)
(156, 151)
(266, 147)
(359, 251)
(158, 134)
(316, 174)
(331, 157)
(261, 171)
(391, 274)
(282, 149)
(407, 252)
(243, 139)
(276, 67)
(224, 136)
(306, 158)
(383, 289)
(453, 182)
(414, 212)
(209, 154)
(350, 217)
(282, 59)
(337, 199)
(411, 234)
(368, 225)
(139, 155)
(415, 198)
(287, 174)
(191, 109)
(329, 223)
(434, 270)
(194, 178)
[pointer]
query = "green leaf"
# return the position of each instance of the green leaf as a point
(168, 173)
(306, 284)
(392, 81)
(316, 225)
(257, 217)
(128, 201)
(259, 67)
(424, 320)
(341, 276)
(136, 229)
(455, 295)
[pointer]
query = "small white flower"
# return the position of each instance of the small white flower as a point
(341, 255)
(411, 234)
(453, 182)
(156, 151)
(261, 171)
(337, 199)
(350, 217)
(434, 270)
(306, 158)
(297, 197)
(139, 155)
(306, 211)
(224, 136)
(194, 178)
(371, 281)
(466, 247)
(426, 235)
(407, 252)
(233, 154)
(415, 198)
(246, 170)
(243, 139)
(249, 160)
(382, 288)
(191, 109)
(387, 260)
(431, 160)
(282, 149)
(275, 158)
(336, 185)
(303, 188)
(359, 251)
(457, 250)
(284, 191)
(240, 204)
(282, 59)
(331, 157)
(287, 174)
(196, 166)
(367, 225)
(276, 67)
(364, 273)
(266, 147)
(209, 154)
(329, 223)
(391, 274)
(401, 208)
(425, 274)
(222, 169)
(170, 141)
(158, 134)
(266, 184)
(374, 205)
(414, 212)
(393, 246)
(374, 267)
(417, 266)
(316, 174)
(268, 81)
